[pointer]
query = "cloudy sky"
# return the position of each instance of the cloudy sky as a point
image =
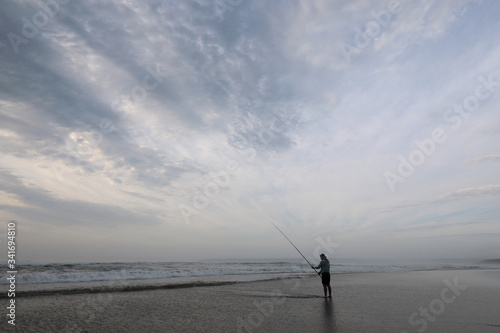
(168, 130)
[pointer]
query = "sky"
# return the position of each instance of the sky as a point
(177, 131)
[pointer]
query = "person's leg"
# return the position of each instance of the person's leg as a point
(326, 284)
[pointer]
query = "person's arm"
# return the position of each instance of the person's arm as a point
(319, 266)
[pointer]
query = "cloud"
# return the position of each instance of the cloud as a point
(449, 223)
(471, 192)
(454, 195)
(39, 206)
(485, 158)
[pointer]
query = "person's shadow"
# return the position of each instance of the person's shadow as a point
(329, 324)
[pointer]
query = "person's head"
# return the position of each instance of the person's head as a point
(322, 256)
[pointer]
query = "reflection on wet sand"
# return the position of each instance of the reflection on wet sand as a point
(329, 324)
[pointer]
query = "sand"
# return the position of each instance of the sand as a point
(366, 302)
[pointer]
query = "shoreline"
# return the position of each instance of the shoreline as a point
(138, 284)
(104, 286)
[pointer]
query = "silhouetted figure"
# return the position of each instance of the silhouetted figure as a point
(324, 267)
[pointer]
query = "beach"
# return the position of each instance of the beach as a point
(431, 301)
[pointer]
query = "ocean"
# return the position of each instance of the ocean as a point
(66, 278)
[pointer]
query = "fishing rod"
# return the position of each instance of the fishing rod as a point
(295, 248)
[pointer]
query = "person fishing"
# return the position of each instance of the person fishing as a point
(324, 265)
(324, 272)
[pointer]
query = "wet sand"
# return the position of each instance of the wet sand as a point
(365, 302)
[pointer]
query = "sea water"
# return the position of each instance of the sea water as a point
(48, 278)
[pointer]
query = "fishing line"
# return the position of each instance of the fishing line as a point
(295, 248)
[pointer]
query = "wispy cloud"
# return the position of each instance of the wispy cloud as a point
(471, 192)
(485, 158)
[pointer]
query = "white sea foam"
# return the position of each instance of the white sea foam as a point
(40, 273)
